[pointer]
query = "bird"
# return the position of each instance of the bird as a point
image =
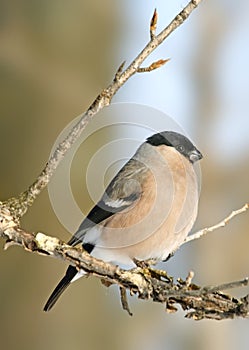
(146, 211)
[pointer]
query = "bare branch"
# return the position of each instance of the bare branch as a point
(19, 206)
(145, 282)
(124, 301)
(119, 71)
(222, 223)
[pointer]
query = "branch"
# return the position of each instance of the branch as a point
(19, 205)
(143, 281)
(222, 223)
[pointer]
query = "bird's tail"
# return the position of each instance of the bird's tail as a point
(62, 285)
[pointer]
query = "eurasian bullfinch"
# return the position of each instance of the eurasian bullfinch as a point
(147, 210)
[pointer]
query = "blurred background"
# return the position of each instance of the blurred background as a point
(55, 57)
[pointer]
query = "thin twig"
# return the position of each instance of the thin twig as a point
(201, 302)
(124, 301)
(222, 223)
(224, 286)
(189, 278)
(20, 204)
(119, 71)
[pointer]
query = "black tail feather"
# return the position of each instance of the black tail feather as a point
(59, 289)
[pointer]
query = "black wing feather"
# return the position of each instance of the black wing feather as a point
(118, 196)
(99, 213)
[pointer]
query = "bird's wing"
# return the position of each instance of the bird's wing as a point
(120, 194)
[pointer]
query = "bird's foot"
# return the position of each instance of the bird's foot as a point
(145, 265)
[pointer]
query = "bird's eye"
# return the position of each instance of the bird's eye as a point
(181, 148)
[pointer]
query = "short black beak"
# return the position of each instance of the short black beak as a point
(195, 156)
